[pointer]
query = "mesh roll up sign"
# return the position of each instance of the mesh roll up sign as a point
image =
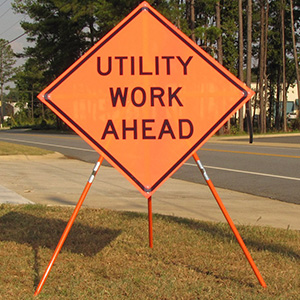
(145, 97)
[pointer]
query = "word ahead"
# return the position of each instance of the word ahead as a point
(185, 129)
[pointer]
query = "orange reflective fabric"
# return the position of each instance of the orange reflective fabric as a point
(145, 97)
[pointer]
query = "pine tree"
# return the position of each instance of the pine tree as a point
(7, 61)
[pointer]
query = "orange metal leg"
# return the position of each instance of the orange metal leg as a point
(69, 225)
(150, 222)
(230, 222)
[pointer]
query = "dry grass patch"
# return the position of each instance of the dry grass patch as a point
(106, 256)
(16, 149)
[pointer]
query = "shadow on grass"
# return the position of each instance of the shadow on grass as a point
(224, 233)
(216, 231)
(44, 232)
(253, 237)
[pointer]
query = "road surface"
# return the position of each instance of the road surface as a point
(269, 167)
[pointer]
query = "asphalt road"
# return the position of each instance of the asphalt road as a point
(269, 167)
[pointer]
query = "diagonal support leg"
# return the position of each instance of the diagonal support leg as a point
(69, 225)
(230, 222)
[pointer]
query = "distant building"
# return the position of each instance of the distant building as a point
(9, 109)
(292, 106)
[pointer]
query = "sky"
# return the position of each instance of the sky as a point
(10, 27)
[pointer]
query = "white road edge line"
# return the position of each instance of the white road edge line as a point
(246, 172)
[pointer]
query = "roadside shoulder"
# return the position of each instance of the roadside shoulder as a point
(55, 155)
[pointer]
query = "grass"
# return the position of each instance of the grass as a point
(16, 149)
(106, 256)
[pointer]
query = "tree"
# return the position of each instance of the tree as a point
(274, 64)
(58, 37)
(60, 32)
(219, 47)
(279, 28)
(294, 47)
(191, 16)
(28, 83)
(7, 60)
(282, 14)
(219, 38)
(95, 17)
(241, 60)
(248, 70)
(206, 31)
(229, 21)
(264, 11)
(63, 30)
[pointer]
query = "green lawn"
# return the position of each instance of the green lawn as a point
(106, 256)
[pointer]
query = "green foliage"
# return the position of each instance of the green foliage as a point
(229, 16)
(7, 61)
(235, 129)
(61, 31)
(294, 125)
(21, 120)
(210, 33)
(29, 81)
(204, 22)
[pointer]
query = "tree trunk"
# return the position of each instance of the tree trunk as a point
(219, 40)
(264, 11)
(241, 61)
(178, 24)
(277, 118)
(193, 20)
(190, 12)
(219, 44)
(265, 79)
(295, 49)
(248, 74)
(283, 67)
(261, 66)
(256, 104)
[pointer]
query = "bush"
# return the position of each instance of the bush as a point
(21, 120)
(43, 125)
(295, 124)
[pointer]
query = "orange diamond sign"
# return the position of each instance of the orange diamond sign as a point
(145, 97)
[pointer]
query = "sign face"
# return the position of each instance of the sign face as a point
(145, 97)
